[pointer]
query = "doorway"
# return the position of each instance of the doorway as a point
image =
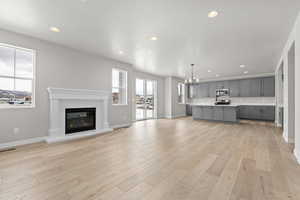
(145, 98)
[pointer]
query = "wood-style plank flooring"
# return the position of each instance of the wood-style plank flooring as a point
(162, 159)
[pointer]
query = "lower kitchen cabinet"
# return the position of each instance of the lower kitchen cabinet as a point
(218, 113)
(229, 114)
(189, 111)
(215, 113)
(266, 113)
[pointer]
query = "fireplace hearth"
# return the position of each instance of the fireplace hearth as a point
(80, 119)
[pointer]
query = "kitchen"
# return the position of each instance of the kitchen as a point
(232, 100)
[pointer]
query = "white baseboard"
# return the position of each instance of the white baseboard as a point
(285, 137)
(77, 136)
(297, 155)
(21, 142)
(121, 126)
(175, 116)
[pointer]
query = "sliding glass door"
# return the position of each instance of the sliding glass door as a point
(145, 99)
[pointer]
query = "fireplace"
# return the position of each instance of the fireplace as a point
(80, 119)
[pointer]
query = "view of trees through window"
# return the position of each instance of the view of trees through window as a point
(16, 75)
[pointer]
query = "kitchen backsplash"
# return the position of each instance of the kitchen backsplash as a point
(263, 100)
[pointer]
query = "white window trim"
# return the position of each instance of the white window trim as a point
(181, 103)
(126, 88)
(32, 105)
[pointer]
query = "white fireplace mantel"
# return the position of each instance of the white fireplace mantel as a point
(61, 99)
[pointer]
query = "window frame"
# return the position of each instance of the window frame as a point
(182, 92)
(33, 79)
(125, 88)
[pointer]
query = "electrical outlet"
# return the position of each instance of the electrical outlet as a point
(16, 131)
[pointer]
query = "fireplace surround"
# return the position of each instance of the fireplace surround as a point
(63, 99)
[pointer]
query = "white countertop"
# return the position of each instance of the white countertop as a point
(234, 104)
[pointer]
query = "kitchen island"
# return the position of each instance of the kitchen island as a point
(233, 112)
(225, 113)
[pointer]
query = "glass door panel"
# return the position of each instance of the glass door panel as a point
(140, 99)
(145, 99)
(149, 99)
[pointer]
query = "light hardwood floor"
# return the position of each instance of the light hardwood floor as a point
(162, 159)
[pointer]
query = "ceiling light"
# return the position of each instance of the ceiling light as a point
(54, 29)
(213, 14)
(246, 72)
(208, 71)
(154, 38)
(217, 75)
(121, 52)
(242, 66)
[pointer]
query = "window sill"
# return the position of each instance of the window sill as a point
(16, 107)
(119, 104)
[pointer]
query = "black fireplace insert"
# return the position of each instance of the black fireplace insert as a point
(80, 119)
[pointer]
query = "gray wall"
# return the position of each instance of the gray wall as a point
(61, 67)
(173, 108)
(297, 90)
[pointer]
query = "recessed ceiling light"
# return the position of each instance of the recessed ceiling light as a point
(217, 75)
(246, 72)
(83, 1)
(54, 29)
(154, 38)
(121, 52)
(213, 14)
(242, 66)
(208, 71)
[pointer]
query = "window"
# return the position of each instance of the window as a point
(180, 90)
(119, 87)
(17, 67)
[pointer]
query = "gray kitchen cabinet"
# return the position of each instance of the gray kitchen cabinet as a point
(215, 113)
(255, 87)
(234, 88)
(219, 84)
(204, 90)
(198, 113)
(212, 89)
(268, 113)
(189, 111)
(197, 91)
(244, 87)
(229, 114)
(218, 113)
(254, 112)
(251, 87)
(207, 113)
(268, 87)
(243, 112)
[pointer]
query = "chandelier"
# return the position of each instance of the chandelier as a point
(192, 79)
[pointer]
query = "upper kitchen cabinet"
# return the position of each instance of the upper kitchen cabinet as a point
(212, 86)
(245, 87)
(255, 87)
(268, 87)
(250, 87)
(204, 90)
(234, 87)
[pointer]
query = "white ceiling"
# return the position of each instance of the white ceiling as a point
(249, 32)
